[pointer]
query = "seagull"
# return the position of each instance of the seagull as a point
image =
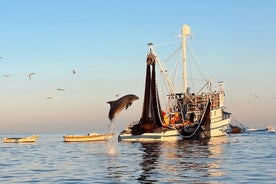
(6, 75)
(60, 89)
(49, 97)
(30, 75)
(74, 72)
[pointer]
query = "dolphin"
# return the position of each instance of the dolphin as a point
(117, 106)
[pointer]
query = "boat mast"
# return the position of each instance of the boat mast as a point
(185, 33)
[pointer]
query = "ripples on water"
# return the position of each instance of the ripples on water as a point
(248, 158)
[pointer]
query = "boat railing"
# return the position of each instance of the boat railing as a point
(226, 115)
(196, 103)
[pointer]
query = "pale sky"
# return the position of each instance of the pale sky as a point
(105, 42)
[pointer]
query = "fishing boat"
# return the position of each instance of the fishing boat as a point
(29, 139)
(89, 137)
(236, 128)
(269, 129)
(187, 114)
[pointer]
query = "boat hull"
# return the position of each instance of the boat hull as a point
(267, 129)
(219, 128)
(87, 138)
(168, 135)
(29, 139)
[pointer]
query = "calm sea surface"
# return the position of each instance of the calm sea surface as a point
(247, 158)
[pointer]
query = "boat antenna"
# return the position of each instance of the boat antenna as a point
(185, 32)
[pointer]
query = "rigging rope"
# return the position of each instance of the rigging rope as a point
(197, 62)
(167, 43)
(201, 120)
(173, 54)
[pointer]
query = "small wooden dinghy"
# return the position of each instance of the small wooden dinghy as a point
(28, 139)
(88, 137)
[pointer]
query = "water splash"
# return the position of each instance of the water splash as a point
(112, 148)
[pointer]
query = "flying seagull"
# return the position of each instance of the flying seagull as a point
(49, 97)
(74, 72)
(30, 75)
(6, 75)
(60, 89)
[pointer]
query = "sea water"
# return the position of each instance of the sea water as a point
(240, 158)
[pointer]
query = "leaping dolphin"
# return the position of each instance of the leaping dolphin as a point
(117, 106)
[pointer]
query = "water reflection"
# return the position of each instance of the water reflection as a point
(149, 161)
(182, 161)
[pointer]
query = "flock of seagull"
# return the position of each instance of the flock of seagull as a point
(30, 75)
(30, 78)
